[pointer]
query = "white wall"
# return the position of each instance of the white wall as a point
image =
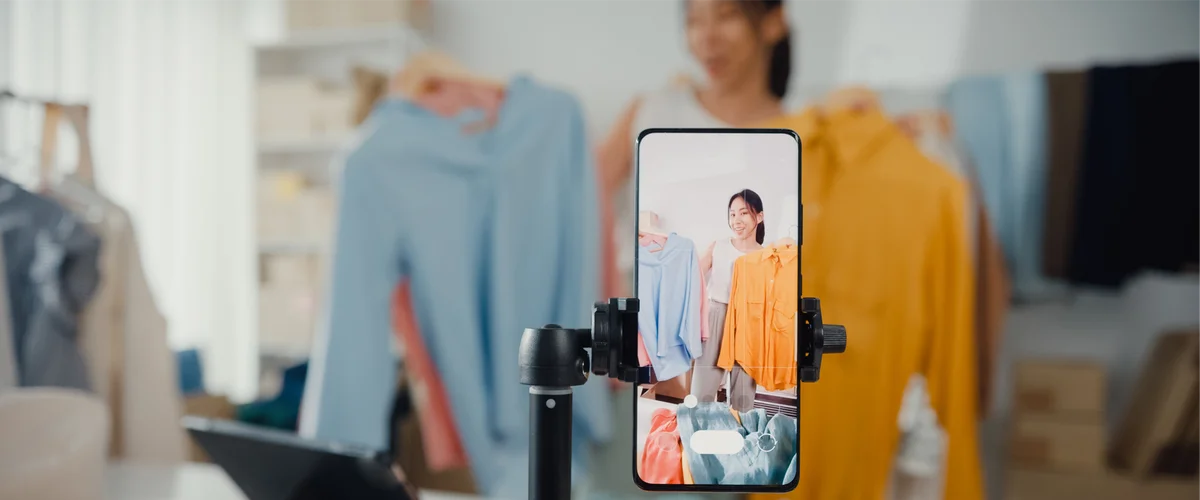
(688, 178)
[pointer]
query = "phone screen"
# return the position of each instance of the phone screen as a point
(718, 280)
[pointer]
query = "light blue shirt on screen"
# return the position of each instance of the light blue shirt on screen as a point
(669, 319)
(496, 231)
(768, 454)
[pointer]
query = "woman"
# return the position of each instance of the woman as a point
(746, 222)
(744, 47)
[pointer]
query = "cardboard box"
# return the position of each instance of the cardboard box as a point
(333, 113)
(313, 211)
(1063, 388)
(1161, 419)
(293, 212)
(308, 15)
(385, 11)
(290, 271)
(1101, 485)
(208, 406)
(1050, 443)
(302, 15)
(285, 107)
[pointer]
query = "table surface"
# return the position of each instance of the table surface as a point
(192, 481)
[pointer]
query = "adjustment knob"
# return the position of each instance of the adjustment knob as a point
(835, 339)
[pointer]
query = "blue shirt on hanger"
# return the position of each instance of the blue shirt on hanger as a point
(1000, 121)
(669, 316)
(497, 231)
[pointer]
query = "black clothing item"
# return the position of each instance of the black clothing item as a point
(1137, 206)
(1097, 258)
(1164, 221)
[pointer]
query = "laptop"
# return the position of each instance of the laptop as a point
(269, 464)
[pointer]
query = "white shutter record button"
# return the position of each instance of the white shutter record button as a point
(726, 442)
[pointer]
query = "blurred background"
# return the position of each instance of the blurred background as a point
(173, 176)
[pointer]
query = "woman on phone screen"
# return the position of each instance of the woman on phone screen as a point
(746, 222)
(745, 49)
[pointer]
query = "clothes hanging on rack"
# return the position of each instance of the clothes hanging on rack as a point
(706, 326)
(8, 359)
(669, 319)
(1000, 120)
(760, 326)
(495, 231)
(1066, 106)
(886, 250)
(52, 274)
(933, 133)
(441, 441)
(124, 337)
(1166, 170)
(1136, 205)
(706, 375)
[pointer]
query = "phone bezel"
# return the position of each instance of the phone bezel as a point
(637, 180)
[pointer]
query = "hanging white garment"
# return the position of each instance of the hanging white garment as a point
(921, 457)
(124, 338)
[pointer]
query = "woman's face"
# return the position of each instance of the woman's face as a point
(724, 41)
(742, 220)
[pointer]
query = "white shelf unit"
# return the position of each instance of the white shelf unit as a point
(365, 36)
(292, 270)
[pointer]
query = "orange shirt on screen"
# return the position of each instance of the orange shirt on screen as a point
(760, 327)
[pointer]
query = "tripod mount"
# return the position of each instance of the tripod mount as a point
(554, 359)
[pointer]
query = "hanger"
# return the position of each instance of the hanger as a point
(437, 82)
(649, 231)
(927, 122)
(648, 224)
(77, 115)
(427, 71)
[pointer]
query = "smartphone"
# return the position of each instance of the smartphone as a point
(718, 279)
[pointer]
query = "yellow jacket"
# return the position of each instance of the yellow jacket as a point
(886, 250)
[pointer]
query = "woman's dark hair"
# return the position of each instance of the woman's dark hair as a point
(755, 204)
(780, 66)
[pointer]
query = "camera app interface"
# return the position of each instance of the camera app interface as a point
(718, 270)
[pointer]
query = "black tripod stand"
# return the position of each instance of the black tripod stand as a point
(554, 359)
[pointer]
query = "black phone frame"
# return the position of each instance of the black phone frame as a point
(637, 179)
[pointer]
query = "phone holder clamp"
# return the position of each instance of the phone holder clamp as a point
(553, 359)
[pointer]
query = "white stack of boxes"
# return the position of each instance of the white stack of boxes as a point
(294, 213)
(306, 15)
(287, 298)
(297, 108)
(295, 231)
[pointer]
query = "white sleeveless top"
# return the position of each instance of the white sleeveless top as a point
(674, 107)
(724, 253)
